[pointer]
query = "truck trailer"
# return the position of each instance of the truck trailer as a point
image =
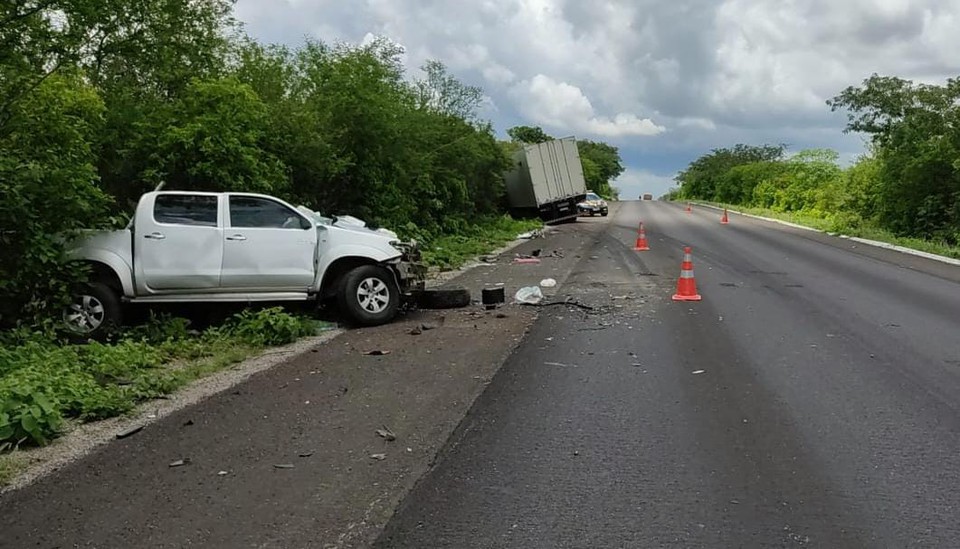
(547, 180)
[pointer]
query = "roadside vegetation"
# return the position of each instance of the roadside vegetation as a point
(101, 101)
(905, 190)
(45, 381)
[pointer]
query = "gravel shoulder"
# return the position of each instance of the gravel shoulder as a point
(290, 456)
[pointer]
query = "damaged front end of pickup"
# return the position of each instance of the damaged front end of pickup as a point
(410, 270)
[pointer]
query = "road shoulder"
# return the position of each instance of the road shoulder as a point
(291, 457)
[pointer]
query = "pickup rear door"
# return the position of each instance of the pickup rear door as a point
(268, 246)
(178, 242)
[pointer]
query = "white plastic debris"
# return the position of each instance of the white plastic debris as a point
(529, 295)
(548, 283)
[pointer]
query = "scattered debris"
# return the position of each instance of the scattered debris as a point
(378, 457)
(386, 433)
(222, 473)
(637, 365)
(526, 260)
(555, 364)
(377, 352)
(427, 327)
(568, 302)
(283, 466)
(535, 253)
(416, 331)
(576, 452)
(530, 235)
(735, 501)
(188, 423)
(491, 297)
(305, 454)
(548, 283)
(698, 372)
(180, 462)
(129, 432)
(501, 315)
(529, 295)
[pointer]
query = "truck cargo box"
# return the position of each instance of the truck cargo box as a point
(547, 178)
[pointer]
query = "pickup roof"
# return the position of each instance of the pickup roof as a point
(240, 247)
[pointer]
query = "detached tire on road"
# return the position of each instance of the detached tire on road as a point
(444, 299)
(369, 296)
(94, 312)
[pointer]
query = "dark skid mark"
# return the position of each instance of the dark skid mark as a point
(793, 285)
(775, 273)
(728, 285)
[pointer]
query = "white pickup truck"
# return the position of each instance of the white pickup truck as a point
(240, 247)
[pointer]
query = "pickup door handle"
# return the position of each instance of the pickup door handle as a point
(155, 236)
(237, 237)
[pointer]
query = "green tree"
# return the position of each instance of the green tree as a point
(915, 129)
(528, 134)
(212, 140)
(443, 93)
(702, 177)
(601, 165)
(48, 189)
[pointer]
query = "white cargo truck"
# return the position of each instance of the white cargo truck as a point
(547, 179)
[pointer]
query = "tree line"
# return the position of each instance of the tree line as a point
(101, 100)
(908, 182)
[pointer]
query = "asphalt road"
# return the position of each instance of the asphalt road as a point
(811, 399)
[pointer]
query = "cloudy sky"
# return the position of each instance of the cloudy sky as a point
(664, 80)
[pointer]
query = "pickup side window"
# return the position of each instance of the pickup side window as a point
(250, 211)
(186, 209)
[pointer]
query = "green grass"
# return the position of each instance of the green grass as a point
(452, 251)
(45, 381)
(849, 226)
(10, 465)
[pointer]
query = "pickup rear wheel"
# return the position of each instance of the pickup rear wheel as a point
(93, 312)
(369, 296)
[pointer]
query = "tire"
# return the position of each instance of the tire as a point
(94, 312)
(604, 213)
(444, 299)
(369, 296)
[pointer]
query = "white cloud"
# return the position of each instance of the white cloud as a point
(715, 72)
(564, 107)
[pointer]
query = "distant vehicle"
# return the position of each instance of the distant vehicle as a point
(547, 180)
(647, 197)
(201, 247)
(593, 205)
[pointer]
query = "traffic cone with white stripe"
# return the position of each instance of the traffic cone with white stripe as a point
(724, 220)
(687, 284)
(641, 245)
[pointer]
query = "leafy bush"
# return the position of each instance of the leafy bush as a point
(43, 381)
(268, 327)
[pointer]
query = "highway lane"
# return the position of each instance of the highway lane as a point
(823, 411)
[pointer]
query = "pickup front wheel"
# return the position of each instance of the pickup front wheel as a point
(369, 296)
(93, 312)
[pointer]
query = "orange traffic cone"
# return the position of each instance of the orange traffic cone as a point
(687, 284)
(724, 220)
(641, 245)
(689, 208)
